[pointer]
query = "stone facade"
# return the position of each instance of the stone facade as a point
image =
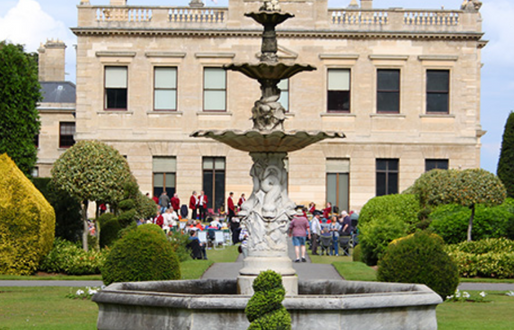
(57, 106)
(362, 40)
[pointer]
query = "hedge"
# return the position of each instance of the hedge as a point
(27, 222)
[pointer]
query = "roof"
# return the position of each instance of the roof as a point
(58, 92)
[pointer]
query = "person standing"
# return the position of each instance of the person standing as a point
(243, 238)
(316, 231)
(299, 230)
(164, 201)
(347, 224)
(193, 202)
(202, 205)
(175, 202)
(242, 199)
(231, 207)
(335, 227)
(327, 210)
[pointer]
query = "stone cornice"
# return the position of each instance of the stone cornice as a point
(310, 34)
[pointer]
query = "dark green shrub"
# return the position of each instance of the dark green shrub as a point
(451, 222)
(110, 232)
(420, 258)
(68, 220)
(264, 310)
(375, 236)
(143, 254)
(104, 218)
(68, 258)
(357, 253)
(127, 204)
(126, 218)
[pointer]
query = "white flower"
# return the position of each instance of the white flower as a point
(91, 291)
(465, 295)
(449, 297)
(510, 293)
(483, 294)
(457, 294)
(80, 292)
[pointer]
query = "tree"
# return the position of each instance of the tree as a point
(466, 188)
(505, 169)
(92, 171)
(19, 96)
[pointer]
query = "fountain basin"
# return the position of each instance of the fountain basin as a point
(215, 304)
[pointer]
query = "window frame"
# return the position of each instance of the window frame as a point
(388, 172)
(165, 187)
(155, 88)
(106, 92)
(205, 89)
(285, 91)
(349, 91)
(69, 137)
(212, 194)
(437, 162)
(437, 92)
(388, 91)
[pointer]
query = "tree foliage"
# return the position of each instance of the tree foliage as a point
(506, 163)
(92, 171)
(466, 188)
(19, 96)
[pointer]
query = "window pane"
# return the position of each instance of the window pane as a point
(215, 78)
(438, 80)
(381, 165)
(219, 163)
(332, 188)
(338, 101)
(388, 80)
(388, 102)
(116, 77)
(158, 179)
(165, 78)
(164, 164)
(381, 184)
(116, 98)
(219, 189)
(343, 191)
(208, 186)
(392, 183)
(339, 80)
(208, 163)
(169, 182)
(165, 100)
(431, 164)
(214, 100)
(437, 102)
(284, 99)
(392, 164)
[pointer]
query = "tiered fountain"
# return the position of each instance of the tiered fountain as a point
(219, 304)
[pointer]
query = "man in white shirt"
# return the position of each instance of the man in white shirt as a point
(316, 231)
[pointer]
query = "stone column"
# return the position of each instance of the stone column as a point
(266, 214)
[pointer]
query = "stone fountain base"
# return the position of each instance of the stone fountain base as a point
(215, 304)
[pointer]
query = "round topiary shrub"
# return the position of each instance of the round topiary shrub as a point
(143, 254)
(264, 310)
(109, 230)
(27, 222)
(357, 253)
(420, 258)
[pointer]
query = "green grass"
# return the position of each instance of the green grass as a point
(194, 269)
(45, 308)
(494, 315)
(355, 271)
(51, 277)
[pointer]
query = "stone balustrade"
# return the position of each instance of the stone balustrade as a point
(383, 20)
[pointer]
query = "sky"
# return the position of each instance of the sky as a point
(32, 22)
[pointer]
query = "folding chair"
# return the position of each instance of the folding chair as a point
(344, 243)
(219, 239)
(202, 236)
(326, 243)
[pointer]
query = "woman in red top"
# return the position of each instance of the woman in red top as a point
(327, 210)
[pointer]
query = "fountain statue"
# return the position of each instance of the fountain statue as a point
(220, 304)
(268, 210)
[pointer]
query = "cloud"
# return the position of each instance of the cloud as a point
(497, 24)
(29, 25)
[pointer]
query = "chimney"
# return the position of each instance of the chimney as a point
(51, 61)
(118, 2)
(366, 4)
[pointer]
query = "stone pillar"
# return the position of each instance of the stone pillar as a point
(366, 4)
(266, 215)
(51, 61)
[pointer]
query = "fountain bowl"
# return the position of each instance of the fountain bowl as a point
(215, 304)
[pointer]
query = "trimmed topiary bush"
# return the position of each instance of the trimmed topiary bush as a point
(27, 222)
(357, 253)
(375, 236)
(143, 254)
(420, 258)
(110, 232)
(264, 310)
(403, 206)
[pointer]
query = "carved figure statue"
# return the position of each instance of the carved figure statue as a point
(471, 5)
(270, 5)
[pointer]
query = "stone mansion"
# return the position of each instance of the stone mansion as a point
(402, 85)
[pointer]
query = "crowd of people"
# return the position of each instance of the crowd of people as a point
(324, 226)
(308, 225)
